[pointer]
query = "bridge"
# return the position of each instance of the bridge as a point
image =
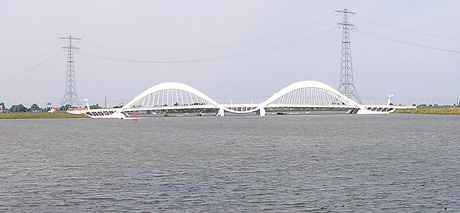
(181, 97)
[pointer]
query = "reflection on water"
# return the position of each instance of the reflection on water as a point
(399, 163)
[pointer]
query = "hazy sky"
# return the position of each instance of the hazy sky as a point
(230, 50)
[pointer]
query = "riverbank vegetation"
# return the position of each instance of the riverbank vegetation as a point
(432, 110)
(42, 115)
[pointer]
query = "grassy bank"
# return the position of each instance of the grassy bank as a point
(432, 110)
(43, 115)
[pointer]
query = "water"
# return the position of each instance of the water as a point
(326, 163)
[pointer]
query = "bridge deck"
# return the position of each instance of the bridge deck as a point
(252, 106)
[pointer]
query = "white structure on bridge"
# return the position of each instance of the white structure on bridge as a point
(177, 96)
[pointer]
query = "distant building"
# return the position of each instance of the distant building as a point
(53, 109)
(48, 107)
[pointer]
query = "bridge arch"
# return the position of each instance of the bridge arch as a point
(171, 95)
(302, 94)
(308, 93)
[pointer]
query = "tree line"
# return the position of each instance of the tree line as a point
(35, 108)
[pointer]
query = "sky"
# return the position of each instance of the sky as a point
(234, 51)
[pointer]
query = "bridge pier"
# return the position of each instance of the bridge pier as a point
(220, 112)
(261, 112)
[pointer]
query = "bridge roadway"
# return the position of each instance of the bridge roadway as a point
(246, 107)
(242, 107)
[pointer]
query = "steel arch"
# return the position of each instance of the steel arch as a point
(310, 84)
(167, 86)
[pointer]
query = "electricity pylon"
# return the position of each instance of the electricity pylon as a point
(347, 86)
(70, 96)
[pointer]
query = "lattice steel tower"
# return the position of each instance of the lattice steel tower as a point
(70, 96)
(347, 86)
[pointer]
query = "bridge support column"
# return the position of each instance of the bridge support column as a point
(220, 112)
(262, 112)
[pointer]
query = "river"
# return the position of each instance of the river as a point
(325, 163)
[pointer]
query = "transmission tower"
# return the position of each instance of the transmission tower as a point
(347, 86)
(70, 96)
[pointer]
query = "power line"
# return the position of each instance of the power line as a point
(405, 42)
(429, 34)
(248, 42)
(13, 73)
(17, 78)
(15, 82)
(323, 35)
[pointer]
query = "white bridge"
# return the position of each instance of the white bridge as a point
(177, 96)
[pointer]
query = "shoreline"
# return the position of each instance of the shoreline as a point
(54, 115)
(436, 110)
(42, 115)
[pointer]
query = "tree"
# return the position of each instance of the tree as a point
(95, 106)
(65, 108)
(18, 108)
(34, 107)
